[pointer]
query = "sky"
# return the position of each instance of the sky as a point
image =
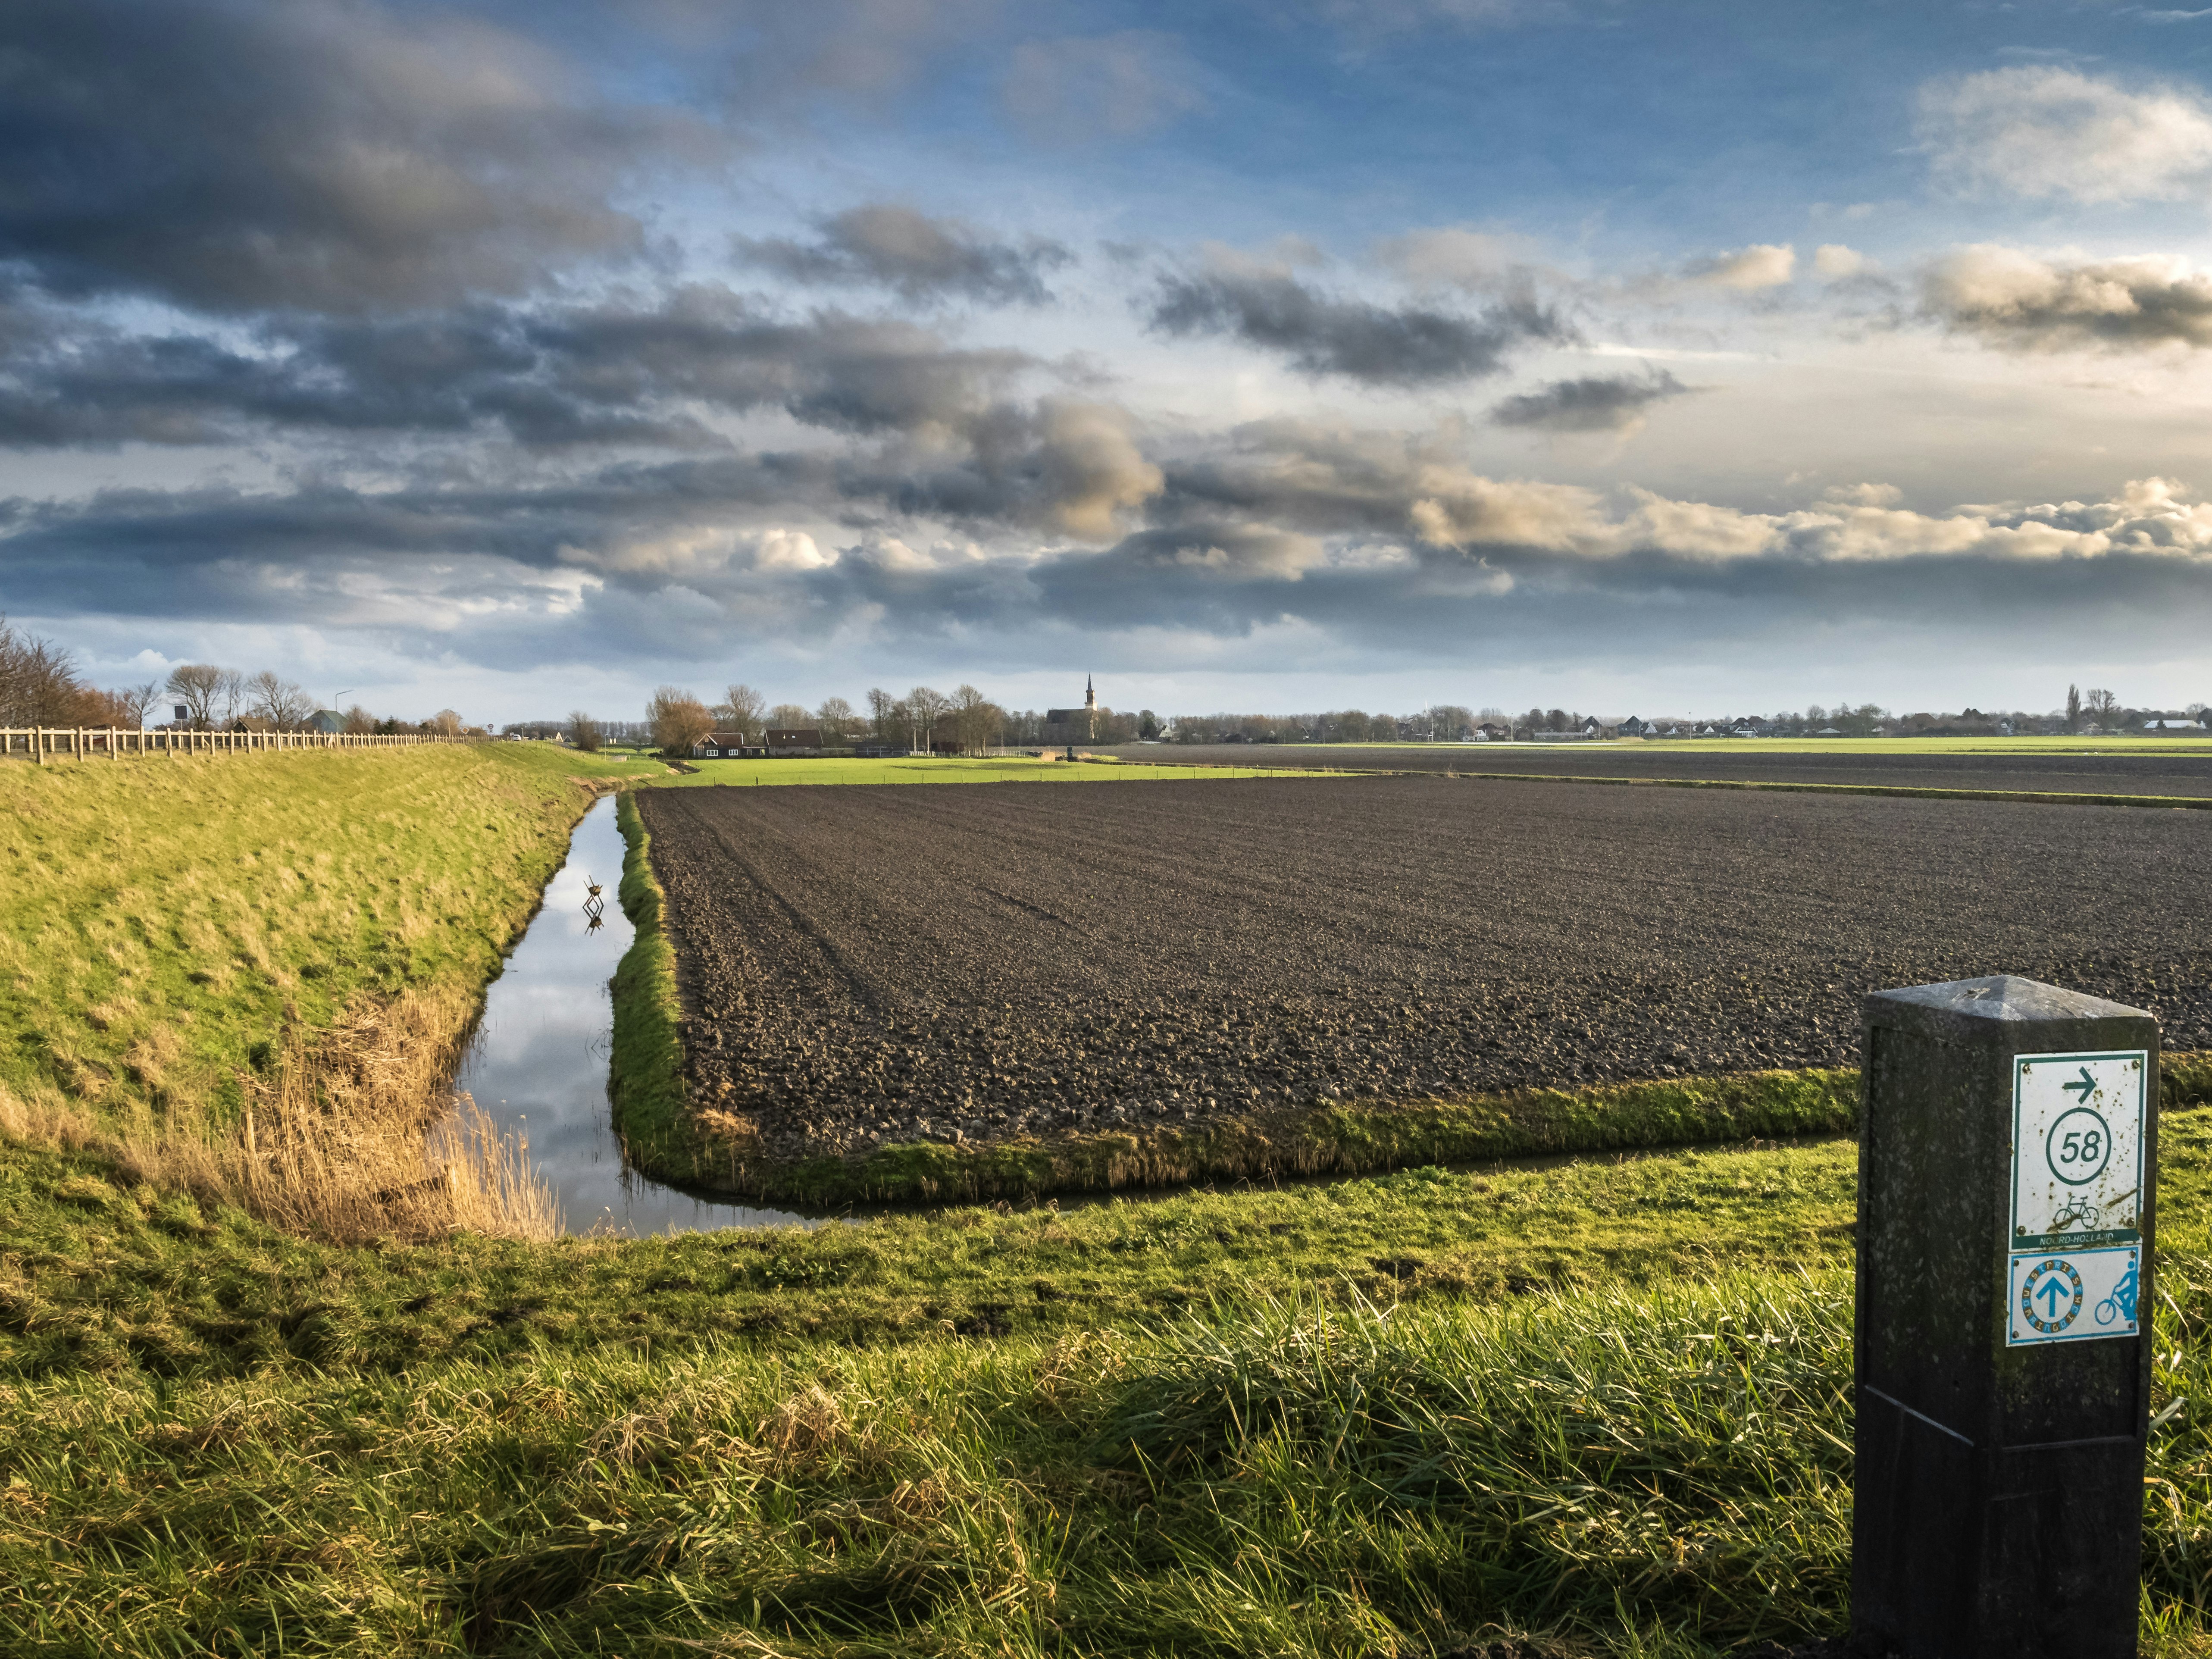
(1634, 358)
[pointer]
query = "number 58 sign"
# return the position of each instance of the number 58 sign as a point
(2076, 1192)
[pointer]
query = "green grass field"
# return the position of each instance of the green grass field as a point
(171, 915)
(920, 769)
(1606, 1404)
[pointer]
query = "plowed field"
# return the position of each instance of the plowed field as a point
(865, 965)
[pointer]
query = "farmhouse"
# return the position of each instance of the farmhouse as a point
(805, 740)
(723, 745)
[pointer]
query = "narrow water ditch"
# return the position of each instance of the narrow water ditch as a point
(538, 1063)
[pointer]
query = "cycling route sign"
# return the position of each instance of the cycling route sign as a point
(2076, 1196)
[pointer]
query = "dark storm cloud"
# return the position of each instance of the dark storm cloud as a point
(310, 155)
(680, 559)
(612, 374)
(1605, 403)
(915, 256)
(1318, 334)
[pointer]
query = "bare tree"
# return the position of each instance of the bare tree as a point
(923, 708)
(447, 723)
(880, 704)
(230, 695)
(975, 717)
(198, 687)
(740, 711)
(359, 722)
(37, 681)
(138, 701)
(584, 732)
(678, 719)
(283, 704)
(786, 717)
(836, 718)
(2101, 706)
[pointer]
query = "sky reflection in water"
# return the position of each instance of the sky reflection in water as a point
(539, 1062)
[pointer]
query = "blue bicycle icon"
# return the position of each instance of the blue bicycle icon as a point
(2122, 1301)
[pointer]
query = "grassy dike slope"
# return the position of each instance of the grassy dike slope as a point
(1605, 1404)
(169, 916)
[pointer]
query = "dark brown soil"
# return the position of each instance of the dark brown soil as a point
(978, 960)
(1718, 758)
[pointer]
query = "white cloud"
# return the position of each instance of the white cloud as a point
(1835, 262)
(1763, 264)
(2043, 132)
(789, 550)
(699, 551)
(1853, 525)
(1864, 495)
(1457, 256)
(1093, 471)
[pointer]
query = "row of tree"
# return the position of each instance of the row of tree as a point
(968, 722)
(41, 685)
(677, 720)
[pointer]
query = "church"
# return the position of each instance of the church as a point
(1073, 726)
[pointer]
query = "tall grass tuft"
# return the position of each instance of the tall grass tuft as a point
(354, 1134)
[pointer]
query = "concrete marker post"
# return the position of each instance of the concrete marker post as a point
(2007, 1152)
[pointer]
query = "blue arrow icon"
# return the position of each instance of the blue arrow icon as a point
(2087, 1085)
(2053, 1294)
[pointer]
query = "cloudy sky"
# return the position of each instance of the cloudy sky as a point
(1670, 357)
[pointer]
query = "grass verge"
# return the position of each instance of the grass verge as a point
(101, 1275)
(581, 1447)
(644, 1085)
(1342, 1138)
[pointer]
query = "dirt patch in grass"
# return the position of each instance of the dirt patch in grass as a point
(864, 968)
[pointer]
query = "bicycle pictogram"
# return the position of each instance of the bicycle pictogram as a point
(2081, 1214)
(2077, 1216)
(2122, 1301)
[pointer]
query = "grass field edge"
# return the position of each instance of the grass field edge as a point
(645, 1081)
(1338, 1139)
(1914, 792)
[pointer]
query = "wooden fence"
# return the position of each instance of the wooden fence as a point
(44, 743)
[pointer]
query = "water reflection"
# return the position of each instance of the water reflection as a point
(539, 1062)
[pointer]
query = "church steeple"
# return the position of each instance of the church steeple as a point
(1089, 693)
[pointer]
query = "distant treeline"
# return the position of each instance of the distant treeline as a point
(968, 722)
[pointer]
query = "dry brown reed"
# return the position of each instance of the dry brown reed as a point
(355, 1133)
